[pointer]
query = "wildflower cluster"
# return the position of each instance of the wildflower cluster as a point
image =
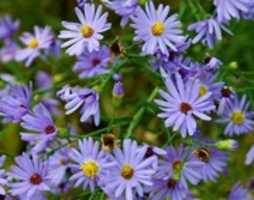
(76, 146)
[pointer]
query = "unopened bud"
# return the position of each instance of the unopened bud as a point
(228, 144)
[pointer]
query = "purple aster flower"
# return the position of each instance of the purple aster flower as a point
(182, 104)
(170, 188)
(31, 177)
(42, 127)
(212, 64)
(15, 104)
(239, 193)
(118, 89)
(8, 27)
(178, 164)
(124, 8)
(65, 92)
(91, 165)
(250, 156)
(59, 163)
(8, 52)
(214, 162)
(158, 31)
(208, 31)
(87, 33)
(3, 179)
(250, 14)
(43, 80)
(93, 63)
(239, 120)
(35, 43)
(228, 9)
(54, 49)
(132, 173)
(86, 99)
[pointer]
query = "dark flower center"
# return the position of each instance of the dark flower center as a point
(226, 92)
(49, 129)
(171, 183)
(2, 197)
(115, 48)
(96, 61)
(177, 164)
(202, 154)
(185, 107)
(109, 140)
(127, 171)
(149, 152)
(36, 179)
(207, 59)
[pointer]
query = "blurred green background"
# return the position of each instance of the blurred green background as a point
(236, 52)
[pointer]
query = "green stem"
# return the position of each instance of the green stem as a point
(139, 114)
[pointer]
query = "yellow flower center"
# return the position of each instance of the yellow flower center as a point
(158, 28)
(33, 43)
(202, 91)
(127, 172)
(90, 169)
(238, 117)
(86, 31)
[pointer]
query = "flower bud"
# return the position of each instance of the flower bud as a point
(228, 144)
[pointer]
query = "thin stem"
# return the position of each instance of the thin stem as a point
(139, 114)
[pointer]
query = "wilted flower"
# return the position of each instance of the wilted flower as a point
(87, 33)
(35, 43)
(86, 99)
(31, 177)
(208, 31)
(93, 63)
(156, 29)
(182, 104)
(91, 165)
(15, 104)
(41, 124)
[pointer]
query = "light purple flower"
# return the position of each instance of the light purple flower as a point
(87, 33)
(170, 188)
(31, 177)
(59, 163)
(43, 80)
(250, 156)
(8, 27)
(15, 104)
(124, 8)
(239, 193)
(3, 179)
(208, 31)
(214, 162)
(228, 9)
(8, 51)
(35, 43)
(91, 165)
(93, 63)
(239, 120)
(42, 127)
(87, 100)
(156, 29)
(132, 173)
(178, 164)
(182, 104)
